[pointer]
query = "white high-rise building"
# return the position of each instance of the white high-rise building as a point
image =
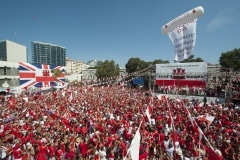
(12, 52)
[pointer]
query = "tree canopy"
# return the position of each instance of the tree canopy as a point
(107, 69)
(230, 59)
(159, 61)
(192, 59)
(135, 64)
(56, 73)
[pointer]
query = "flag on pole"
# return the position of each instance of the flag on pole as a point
(70, 97)
(189, 115)
(135, 145)
(206, 118)
(199, 141)
(212, 155)
(149, 112)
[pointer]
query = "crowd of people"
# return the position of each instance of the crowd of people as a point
(100, 122)
(214, 91)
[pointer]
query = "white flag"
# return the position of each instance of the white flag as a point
(183, 38)
(200, 133)
(26, 99)
(148, 115)
(135, 144)
(63, 93)
(70, 97)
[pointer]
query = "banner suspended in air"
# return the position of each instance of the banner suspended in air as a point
(182, 32)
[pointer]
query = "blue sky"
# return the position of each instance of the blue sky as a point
(119, 29)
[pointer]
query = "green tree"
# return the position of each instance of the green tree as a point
(156, 61)
(192, 59)
(107, 69)
(159, 61)
(96, 67)
(230, 59)
(56, 73)
(135, 64)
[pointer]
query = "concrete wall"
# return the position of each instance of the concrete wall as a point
(16, 52)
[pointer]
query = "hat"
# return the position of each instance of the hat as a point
(201, 151)
(179, 151)
(218, 152)
(17, 141)
(21, 123)
(28, 146)
(78, 140)
(228, 141)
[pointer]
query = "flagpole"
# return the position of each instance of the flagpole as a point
(199, 129)
(172, 123)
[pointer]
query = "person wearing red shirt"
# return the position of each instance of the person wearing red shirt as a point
(17, 151)
(111, 153)
(69, 154)
(123, 148)
(59, 153)
(51, 151)
(143, 152)
(42, 152)
(83, 148)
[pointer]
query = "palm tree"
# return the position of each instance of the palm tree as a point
(56, 73)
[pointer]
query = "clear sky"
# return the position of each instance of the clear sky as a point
(119, 29)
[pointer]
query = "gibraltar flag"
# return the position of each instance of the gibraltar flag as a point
(206, 118)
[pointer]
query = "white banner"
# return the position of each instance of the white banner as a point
(183, 38)
(195, 68)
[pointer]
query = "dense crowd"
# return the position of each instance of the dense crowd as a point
(213, 91)
(100, 123)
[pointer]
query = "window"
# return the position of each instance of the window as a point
(5, 70)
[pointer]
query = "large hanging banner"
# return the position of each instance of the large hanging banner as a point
(39, 75)
(182, 32)
(184, 39)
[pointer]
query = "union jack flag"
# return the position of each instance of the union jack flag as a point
(39, 75)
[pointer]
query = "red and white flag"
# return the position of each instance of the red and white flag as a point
(206, 118)
(189, 115)
(148, 114)
(212, 155)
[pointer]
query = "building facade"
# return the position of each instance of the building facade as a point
(90, 74)
(74, 66)
(214, 76)
(74, 69)
(9, 74)
(12, 52)
(46, 53)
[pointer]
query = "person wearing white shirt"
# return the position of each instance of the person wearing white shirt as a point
(102, 153)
